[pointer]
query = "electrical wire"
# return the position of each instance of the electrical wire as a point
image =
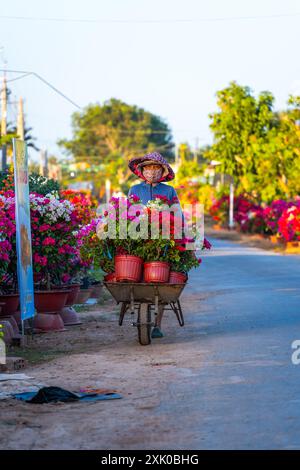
(18, 78)
(149, 21)
(25, 72)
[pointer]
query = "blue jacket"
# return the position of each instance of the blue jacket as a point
(146, 192)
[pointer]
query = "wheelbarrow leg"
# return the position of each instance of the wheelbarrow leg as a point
(124, 307)
(178, 312)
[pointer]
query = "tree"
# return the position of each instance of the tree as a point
(278, 156)
(241, 121)
(184, 153)
(112, 133)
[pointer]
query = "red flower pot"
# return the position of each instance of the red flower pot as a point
(17, 317)
(177, 278)
(37, 277)
(11, 303)
(97, 291)
(50, 301)
(110, 277)
(8, 332)
(156, 271)
(74, 289)
(83, 295)
(69, 316)
(128, 268)
(13, 323)
(48, 322)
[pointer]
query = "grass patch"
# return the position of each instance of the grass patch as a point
(84, 308)
(36, 356)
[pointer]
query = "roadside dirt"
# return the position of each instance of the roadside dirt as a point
(255, 241)
(97, 354)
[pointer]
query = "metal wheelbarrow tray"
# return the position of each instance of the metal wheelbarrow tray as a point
(146, 297)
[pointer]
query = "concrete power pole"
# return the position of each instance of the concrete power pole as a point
(4, 121)
(196, 149)
(20, 121)
(107, 189)
(44, 163)
(176, 155)
(231, 206)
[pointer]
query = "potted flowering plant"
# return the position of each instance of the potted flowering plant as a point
(160, 251)
(124, 250)
(94, 251)
(184, 262)
(9, 298)
(54, 246)
(156, 255)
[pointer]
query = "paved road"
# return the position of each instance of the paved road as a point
(248, 389)
(224, 381)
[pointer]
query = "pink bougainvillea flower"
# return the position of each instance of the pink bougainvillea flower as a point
(206, 244)
(49, 241)
(66, 278)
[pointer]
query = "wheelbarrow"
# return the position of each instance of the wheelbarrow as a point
(144, 298)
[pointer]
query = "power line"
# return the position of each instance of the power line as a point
(26, 73)
(19, 78)
(149, 21)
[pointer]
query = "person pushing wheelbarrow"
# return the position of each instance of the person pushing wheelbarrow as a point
(153, 169)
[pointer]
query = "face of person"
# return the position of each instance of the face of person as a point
(152, 172)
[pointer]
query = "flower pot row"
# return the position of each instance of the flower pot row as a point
(54, 307)
(9, 327)
(130, 268)
(50, 301)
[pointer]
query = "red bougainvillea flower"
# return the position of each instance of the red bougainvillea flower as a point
(289, 223)
(84, 204)
(48, 241)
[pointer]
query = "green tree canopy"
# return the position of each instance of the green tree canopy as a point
(240, 119)
(113, 133)
(255, 145)
(277, 157)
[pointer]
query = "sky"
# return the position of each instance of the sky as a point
(167, 56)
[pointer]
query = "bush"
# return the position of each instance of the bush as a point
(37, 183)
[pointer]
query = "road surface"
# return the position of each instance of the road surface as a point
(224, 381)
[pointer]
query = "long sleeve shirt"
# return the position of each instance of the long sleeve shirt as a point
(147, 192)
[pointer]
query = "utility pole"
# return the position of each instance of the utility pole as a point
(196, 149)
(20, 121)
(107, 189)
(176, 155)
(4, 121)
(231, 206)
(44, 163)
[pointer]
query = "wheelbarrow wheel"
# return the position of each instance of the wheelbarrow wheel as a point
(144, 324)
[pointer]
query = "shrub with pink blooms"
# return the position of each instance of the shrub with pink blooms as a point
(248, 216)
(280, 218)
(7, 231)
(94, 251)
(289, 222)
(84, 204)
(54, 223)
(219, 210)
